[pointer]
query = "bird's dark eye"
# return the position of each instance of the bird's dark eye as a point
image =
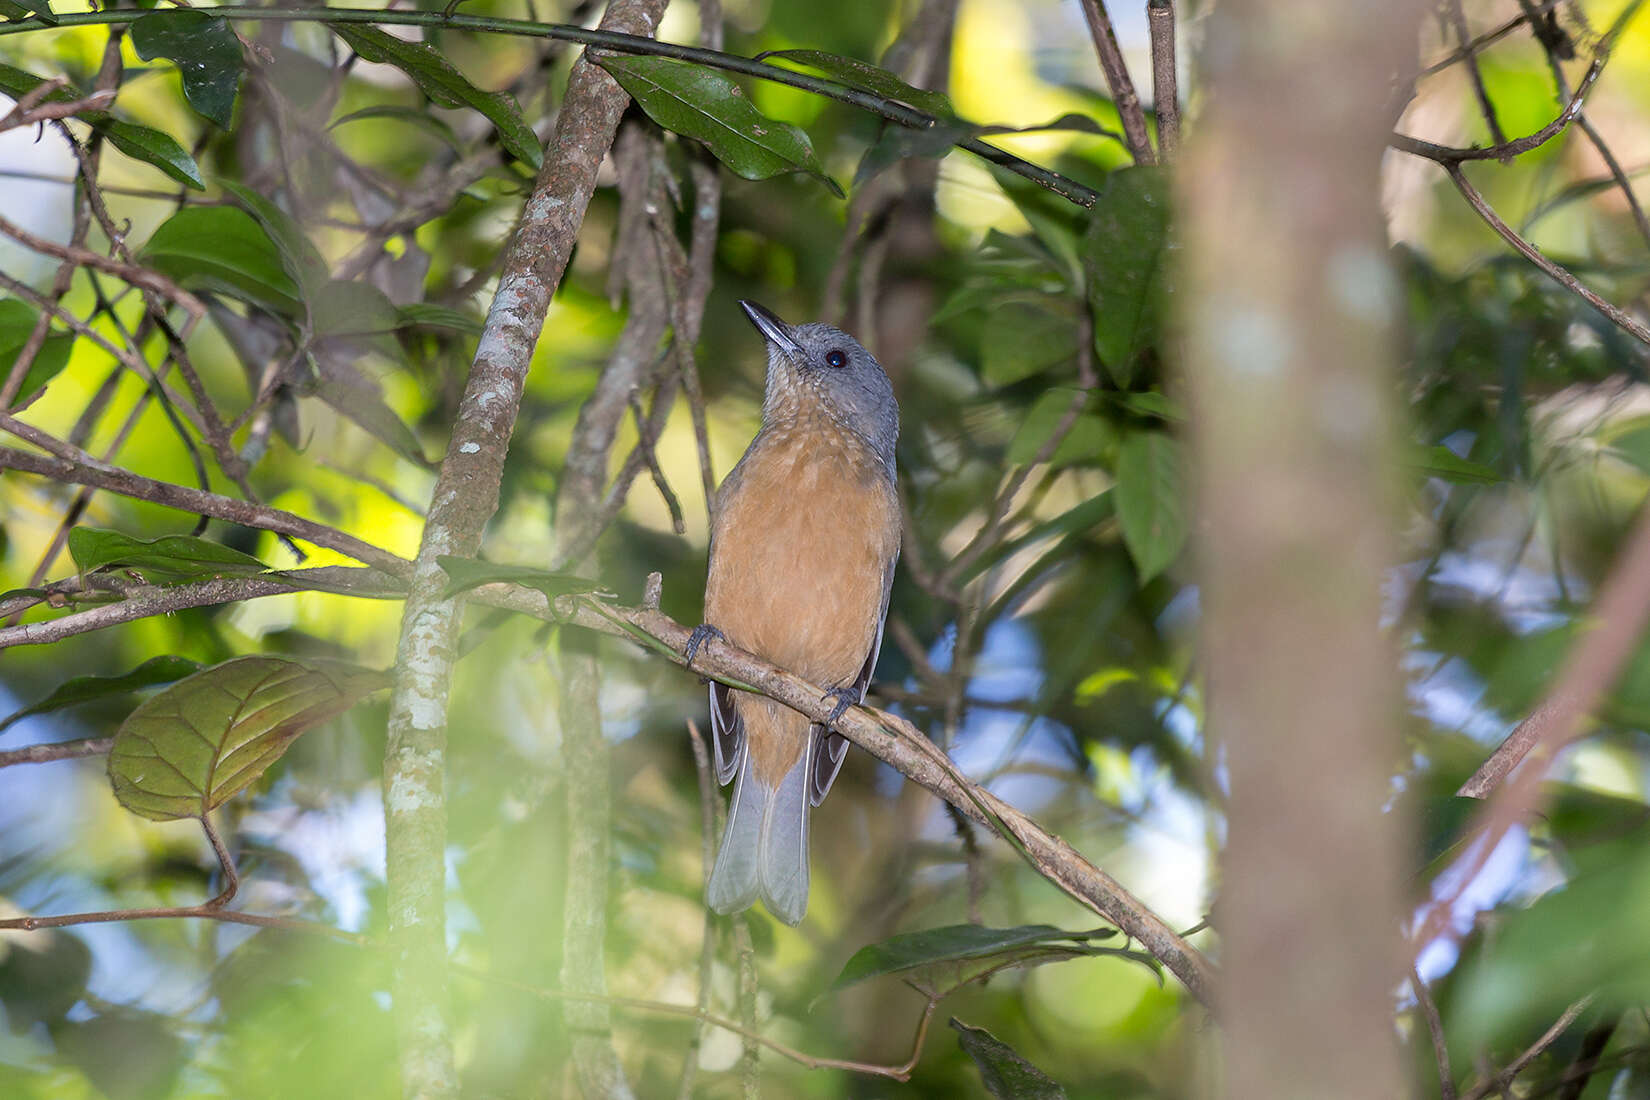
(835, 358)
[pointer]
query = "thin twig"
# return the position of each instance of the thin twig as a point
(1449, 155)
(1165, 81)
(1458, 19)
(1502, 1081)
(1635, 328)
(1117, 79)
(1435, 1028)
(84, 469)
(57, 750)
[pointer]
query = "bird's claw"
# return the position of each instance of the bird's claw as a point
(845, 697)
(700, 634)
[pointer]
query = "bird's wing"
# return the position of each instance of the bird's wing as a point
(727, 730)
(829, 747)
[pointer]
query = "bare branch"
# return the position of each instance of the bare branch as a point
(1449, 155)
(57, 750)
(1117, 79)
(896, 742)
(1619, 317)
(1435, 1029)
(83, 469)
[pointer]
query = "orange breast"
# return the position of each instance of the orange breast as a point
(801, 543)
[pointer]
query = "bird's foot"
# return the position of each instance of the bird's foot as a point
(845, 697)
(700, 635)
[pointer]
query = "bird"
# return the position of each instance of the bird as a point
(805, 535)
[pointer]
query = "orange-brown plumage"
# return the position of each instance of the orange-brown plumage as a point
(804, 538)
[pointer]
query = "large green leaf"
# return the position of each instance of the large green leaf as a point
(225, 250)
(954, 943)
(1006, 1075)
(701, 103)
(86, 689)
(866, 78)
(1022, 339)
(1125, 250)
(1085, 439)
(170, 559)
(299, 256)
(138, 142)
(468, 573)
(207, 54)
(17, 321)
(445, 85)
(206, 738)
(1151, 501)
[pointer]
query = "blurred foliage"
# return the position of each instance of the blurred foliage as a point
(340, 195)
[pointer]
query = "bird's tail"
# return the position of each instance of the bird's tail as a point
(765, 845)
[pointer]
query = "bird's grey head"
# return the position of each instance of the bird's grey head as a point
(824, 361)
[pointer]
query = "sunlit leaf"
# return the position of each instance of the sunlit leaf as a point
(153, 147)
(1151, 501)
(866, 78)
(1006, 1075)
(17, 321)
(445, 85)
(953, 943)
(223, 249)
(701, 103)
(168, 559)
(468, 573)
(86, 689)
(1125, 250)
(206, 52)
(206, 738)
(1084, 439)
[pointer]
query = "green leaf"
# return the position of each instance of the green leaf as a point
(170, 559)
(1022, 339)
(1125, 251)
(17, 321)
(1151, 501)
(865, 77)
(17, 10)
(85, 689)
(701, 103)
(1006, 1075)
(225, 250)
(1440, 461)
(351, 392)
(445, 85)
(412, 116)
(426, 315)
(953, 943)
(205, 739)
(299, 257)
(899, 143)
(468, 573)
(206, 52)
(1087, 436)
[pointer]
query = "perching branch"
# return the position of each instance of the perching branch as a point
(898, 743)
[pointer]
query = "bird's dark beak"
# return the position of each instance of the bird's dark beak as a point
(770, 326)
